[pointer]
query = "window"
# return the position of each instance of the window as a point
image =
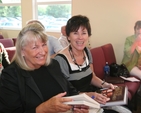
(53, 13)
(10, 14)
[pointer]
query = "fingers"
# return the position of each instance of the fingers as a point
(81, 109)
(101, 99)
(56, 103)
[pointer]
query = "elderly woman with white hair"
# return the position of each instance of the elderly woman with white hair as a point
(33, 83)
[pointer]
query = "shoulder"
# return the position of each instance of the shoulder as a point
(87, 50)
(9, 73)
(61, 57)
(53, 62)
(130, 37)
(63, 53)
(11, 67)
(54, 65)
(51, 37)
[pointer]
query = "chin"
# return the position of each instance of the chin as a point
(42, 63)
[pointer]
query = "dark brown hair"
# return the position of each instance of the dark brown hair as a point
(137, 25)
(77, 21)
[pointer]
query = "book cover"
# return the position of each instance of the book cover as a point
(118, 96)
(83, 99)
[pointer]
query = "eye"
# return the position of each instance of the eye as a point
(84, 32)
(75, 33)
(44, 44)
(35, 47)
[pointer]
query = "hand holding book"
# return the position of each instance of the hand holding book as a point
(98, 97)
(118, 96)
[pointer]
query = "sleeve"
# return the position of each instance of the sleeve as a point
(64, 65)
(55, 44)
(63, 41)
(9, 92)
(127, 47)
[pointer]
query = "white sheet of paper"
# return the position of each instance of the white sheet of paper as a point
(132, 79)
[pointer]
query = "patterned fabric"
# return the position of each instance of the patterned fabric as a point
(80, 79)
(4, 60)
(130, 60)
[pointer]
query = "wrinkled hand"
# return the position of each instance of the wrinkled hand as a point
(54, 105)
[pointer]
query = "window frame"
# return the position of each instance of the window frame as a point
(54, 2)
(11, 4)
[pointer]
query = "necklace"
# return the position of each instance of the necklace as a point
(74, 60)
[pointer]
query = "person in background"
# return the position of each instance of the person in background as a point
(63, 38)
(53, 43)
(4, 60)
(76, 61)
(25, 83)
(132, 52)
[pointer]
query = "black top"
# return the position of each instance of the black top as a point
(46, 83)
(21, 93)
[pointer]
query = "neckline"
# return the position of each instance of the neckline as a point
(74, 60)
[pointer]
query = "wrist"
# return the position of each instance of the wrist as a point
(41, 108)
(102, 84)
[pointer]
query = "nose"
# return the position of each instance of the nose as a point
(42, 50)
(80, 36)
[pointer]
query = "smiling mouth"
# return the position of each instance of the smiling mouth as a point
(80, 43)
(41, 57)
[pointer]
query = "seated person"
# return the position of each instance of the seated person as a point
(63, 38)
(132, 52)
(25, 83)
(76, 62)
(53, 43)
(4, 60)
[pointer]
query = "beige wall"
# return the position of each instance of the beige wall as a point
(111, 20)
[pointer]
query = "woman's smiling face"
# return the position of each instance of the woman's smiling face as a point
(79, 38)
(35, 53)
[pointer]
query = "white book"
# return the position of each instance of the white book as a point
(83, 99)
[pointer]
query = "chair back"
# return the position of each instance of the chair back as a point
(7, 42)
(1, 37)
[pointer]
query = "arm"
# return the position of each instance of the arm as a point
(63, 41)
(98, 82)
(54, 46)
(55, 105)
(127, 47)
(131, 45)
(137, 43)
(10, 94)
